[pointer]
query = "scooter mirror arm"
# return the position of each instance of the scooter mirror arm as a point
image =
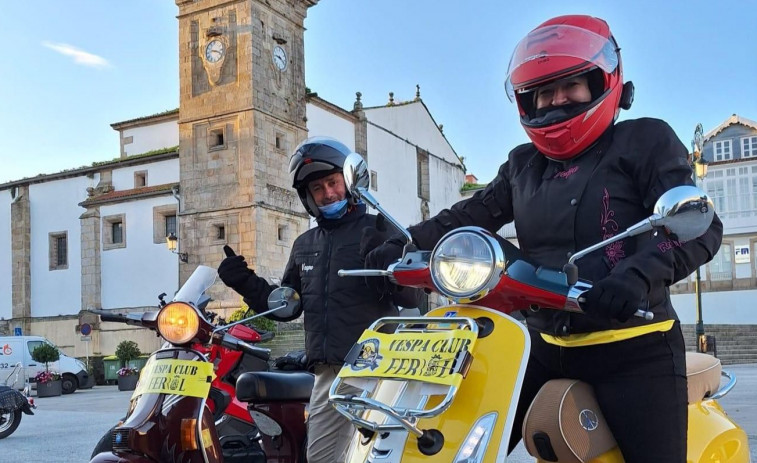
(366, 196)
(641, 227)
(245, 320)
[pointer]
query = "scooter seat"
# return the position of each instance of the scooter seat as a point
(703, 375)
(269, 386)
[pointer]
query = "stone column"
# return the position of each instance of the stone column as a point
(21, 259)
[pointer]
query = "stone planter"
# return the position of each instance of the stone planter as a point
(127, 383)
(49, 389)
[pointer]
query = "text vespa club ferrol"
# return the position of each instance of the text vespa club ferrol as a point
(436, 357)
(178, 377)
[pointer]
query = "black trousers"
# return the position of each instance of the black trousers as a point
(640, 385)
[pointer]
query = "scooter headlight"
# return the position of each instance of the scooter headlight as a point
(178, 323)
(466, 264)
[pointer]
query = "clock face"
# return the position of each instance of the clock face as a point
(214, 51)
(280, 57)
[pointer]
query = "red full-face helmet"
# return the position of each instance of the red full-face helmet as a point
(564, 47)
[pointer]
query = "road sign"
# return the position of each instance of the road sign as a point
(86, 329)
(86, 338)
(17, 331)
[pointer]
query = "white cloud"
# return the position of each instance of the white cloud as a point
(79, 56)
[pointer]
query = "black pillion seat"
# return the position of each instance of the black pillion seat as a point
(271, 386)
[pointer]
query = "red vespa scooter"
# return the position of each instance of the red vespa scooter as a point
(169, 419)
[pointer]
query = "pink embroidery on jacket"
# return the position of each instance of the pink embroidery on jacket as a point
(613, 251)
(667, 245)
(566, 173)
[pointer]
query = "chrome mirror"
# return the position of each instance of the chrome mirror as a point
(356, 177)
(684, 211)
(284, 301)
(357, 180)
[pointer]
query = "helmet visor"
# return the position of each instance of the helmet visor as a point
(552, 52)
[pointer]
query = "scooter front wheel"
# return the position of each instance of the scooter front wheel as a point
(9, 422)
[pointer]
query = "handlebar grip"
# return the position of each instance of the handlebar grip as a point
(114, 318)
(642, 312)
(233, 343)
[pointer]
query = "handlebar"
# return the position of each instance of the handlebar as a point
(233, 343)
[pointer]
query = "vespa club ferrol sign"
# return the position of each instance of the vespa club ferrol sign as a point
(435, 357)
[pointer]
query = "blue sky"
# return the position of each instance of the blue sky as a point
(72, 68)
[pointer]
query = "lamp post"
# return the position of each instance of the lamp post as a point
(700, 172)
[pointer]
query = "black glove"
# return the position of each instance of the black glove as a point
(616, 296)
(235, 274)
(373, 237)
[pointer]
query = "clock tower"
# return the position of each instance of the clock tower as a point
(241, 113)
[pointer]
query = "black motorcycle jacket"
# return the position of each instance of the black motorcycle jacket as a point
(559, 208)
(337, 309)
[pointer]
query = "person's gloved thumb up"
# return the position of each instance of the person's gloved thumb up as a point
(373, 237)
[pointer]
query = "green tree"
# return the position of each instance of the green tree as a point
(45, 353)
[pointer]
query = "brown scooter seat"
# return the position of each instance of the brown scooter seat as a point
(271, 386)
(565, 423)
(703, 374)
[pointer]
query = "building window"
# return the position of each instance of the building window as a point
(282, 233)
(170, 225)
(114, 232)
(164, 222)
(423, 174)
(217, 232)
(58, 250)
(118, 232)
(722, 150)
(216, 138)
(140, 179)
(720, 265)
(374, 180)
(280, 142)
(748, 147)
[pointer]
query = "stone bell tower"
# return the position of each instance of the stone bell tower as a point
(241, 113)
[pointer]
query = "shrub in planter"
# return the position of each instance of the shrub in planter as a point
(45, 353)
(127, 351)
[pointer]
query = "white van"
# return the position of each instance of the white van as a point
(14, 349)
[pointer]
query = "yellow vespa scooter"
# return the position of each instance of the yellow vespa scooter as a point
(444, 387)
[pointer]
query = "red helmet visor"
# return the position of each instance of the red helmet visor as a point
(552, 52)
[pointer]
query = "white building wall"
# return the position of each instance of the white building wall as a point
(395, 163)
(55, 208)
(718, 308)
(6, 269)
(151, 137)
(445, 182)
(158, 173)
(322, 122)
(413, 122)
(133, 276)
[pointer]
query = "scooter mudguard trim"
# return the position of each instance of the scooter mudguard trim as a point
(176, 377)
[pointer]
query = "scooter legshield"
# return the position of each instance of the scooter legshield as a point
(491, 387)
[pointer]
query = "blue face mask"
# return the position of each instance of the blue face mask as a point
(334, 210)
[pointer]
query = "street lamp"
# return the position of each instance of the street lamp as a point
(173, 245)
(700, 172)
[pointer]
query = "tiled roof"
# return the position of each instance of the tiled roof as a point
(125, 195)
(164, 115)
